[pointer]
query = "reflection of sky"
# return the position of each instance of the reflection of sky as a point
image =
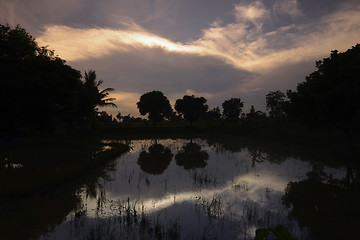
(223, 170)
(242, 190)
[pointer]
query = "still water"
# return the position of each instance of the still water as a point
(216, 187)
(200, 189)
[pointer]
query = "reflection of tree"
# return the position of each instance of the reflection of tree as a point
(191, 156)
(256, 156)
(48, 180)
(156, 160)
(259, 150)
(328, 207)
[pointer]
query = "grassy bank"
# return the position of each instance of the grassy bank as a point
(265, 129)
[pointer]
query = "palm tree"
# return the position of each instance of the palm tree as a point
(93, 96)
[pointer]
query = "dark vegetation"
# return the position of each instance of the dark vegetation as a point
(156, 105)
(325, 107)
(41, 180)
(41, 94)
(328, 207)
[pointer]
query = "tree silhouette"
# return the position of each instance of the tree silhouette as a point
(275, 103)
(213, 114)
(330, 96)
(17, 44)
(255, 115)
(191, 107)
(232, 107)
(191, 156)
(93, 96)
(156, 105)
(39, 93)
(156, 160)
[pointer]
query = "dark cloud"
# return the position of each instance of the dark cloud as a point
(146, 69)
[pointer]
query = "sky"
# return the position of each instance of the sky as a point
(217, 49)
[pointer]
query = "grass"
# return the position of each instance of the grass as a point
(278, 130)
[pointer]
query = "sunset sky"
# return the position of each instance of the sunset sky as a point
(217, 49)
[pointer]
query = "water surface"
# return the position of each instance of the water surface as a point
(194, 189)
(210, 188)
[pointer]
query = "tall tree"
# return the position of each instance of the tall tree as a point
(191, 107)
(232, 107)
(156, 105)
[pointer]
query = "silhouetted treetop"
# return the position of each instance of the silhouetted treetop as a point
(232, 107)
(191, 107)
(16, 43)
(93, 96)
(275, 103)
(331, 94)
(156, 105)
(39, 92)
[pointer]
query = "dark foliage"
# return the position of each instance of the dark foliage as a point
(156, 105)
(213, 114)
(232, 108)
(275, 103)
(327, 206)
(191, 107)
(279, 232)
(39, 92)
(93, 96)
(330, 95)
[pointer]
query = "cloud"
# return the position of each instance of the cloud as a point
(75, 44)
(242, 44)
(258, 46)
(35, 13)
(255, 12)
(287, 7)
(140, 70)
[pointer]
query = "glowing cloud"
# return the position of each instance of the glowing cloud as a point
(75, 44)
(257, 41)
(243, 44)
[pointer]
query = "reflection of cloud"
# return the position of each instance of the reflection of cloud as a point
(255, 188)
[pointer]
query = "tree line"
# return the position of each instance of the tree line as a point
(157, 107)
(40, 92)
(328, 98)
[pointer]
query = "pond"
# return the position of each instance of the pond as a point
(207, 189)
